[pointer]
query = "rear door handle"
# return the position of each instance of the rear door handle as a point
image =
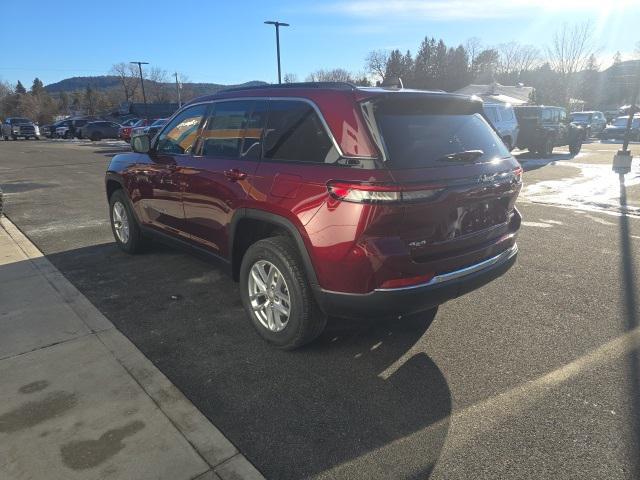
(234, 174)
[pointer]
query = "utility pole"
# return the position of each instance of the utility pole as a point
(178, 90)
(144, 96)
(278, 25)
(623, 158)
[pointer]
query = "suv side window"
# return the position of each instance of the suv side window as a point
(547, 115)
(178, 137)
(563, 115)
(296, 133)
(492, 113)
(507, 114)
(234, 129)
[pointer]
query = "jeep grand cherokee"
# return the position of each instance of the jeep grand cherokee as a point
(326, 199)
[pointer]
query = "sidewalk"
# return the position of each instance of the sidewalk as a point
(78, 400)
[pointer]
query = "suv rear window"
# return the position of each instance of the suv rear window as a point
(296, 133)
(423, 140)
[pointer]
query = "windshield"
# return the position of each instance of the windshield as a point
(18, 121)
(527, 112)
(622, 122)
(425, 140)
(580, 117)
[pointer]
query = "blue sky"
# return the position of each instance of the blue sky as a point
(227, 42)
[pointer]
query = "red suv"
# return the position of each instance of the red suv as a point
(326, 199)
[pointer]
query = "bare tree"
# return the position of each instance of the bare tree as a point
(529, 58)
(569, 53)
(636, 52)
(376, 63)
(473, 46)
(571, 48)
(128, 77)
(290, 78)
(157, 90)
(515, 58)
(335, 75)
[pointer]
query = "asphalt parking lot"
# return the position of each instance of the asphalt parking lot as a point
(533, 376)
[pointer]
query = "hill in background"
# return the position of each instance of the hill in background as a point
(109, 82)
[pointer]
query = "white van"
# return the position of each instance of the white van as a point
(503, 119)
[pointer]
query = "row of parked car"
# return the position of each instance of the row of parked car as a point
(541, 128)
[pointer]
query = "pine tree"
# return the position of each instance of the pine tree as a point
(38, 87)
(20, 88)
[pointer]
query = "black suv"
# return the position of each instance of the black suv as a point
(543, 128)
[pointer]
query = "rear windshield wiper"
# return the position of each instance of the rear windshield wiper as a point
(464, 156)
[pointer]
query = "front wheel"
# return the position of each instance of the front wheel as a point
(124, 226)
(575, 148)
(276, 294)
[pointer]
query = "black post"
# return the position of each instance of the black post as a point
(144, 96)
(278, 25)
(278, 49)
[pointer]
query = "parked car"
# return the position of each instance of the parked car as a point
(617, 129)
(542, 128)
(77, 126)
(326, 199)
(155, 127)
(141, 126)
(18, 127)
(72, 127)
(100, 129)
(125, 132)
(130, 122)
(503, 119)
(592, 123)
(49, 131)
(63, 130)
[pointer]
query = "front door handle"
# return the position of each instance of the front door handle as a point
(234, 174)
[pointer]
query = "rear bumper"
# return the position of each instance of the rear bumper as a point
(417, 298)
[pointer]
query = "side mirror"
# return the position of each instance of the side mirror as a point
(141, 143)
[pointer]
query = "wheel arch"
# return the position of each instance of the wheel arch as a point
(273, 224)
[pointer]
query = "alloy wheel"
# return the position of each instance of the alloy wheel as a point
(120, 222)
(269, 296)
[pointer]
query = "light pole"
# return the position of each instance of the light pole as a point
(277, 25)
(144, 96)
(622, 159)
(178, 90)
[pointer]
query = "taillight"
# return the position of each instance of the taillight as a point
(517, 173)
(381, 193)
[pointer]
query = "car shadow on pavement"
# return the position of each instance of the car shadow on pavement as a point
(629, 293)
(333, 409)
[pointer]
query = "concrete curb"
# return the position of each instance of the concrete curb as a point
(217, 451)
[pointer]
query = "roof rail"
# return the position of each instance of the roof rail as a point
(329, 85)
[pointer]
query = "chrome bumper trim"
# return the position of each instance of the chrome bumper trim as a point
(447, 277)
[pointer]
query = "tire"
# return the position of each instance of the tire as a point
(67, 135)
(575, 148)
(6, 138)
(96, 136)
(134, 241)
(14, 137)
(305, 320)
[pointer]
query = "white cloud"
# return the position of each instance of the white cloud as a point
(471, 9)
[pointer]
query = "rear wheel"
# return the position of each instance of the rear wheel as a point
(547, 149)
(124, 226)
(276, 294)
(575, 148)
